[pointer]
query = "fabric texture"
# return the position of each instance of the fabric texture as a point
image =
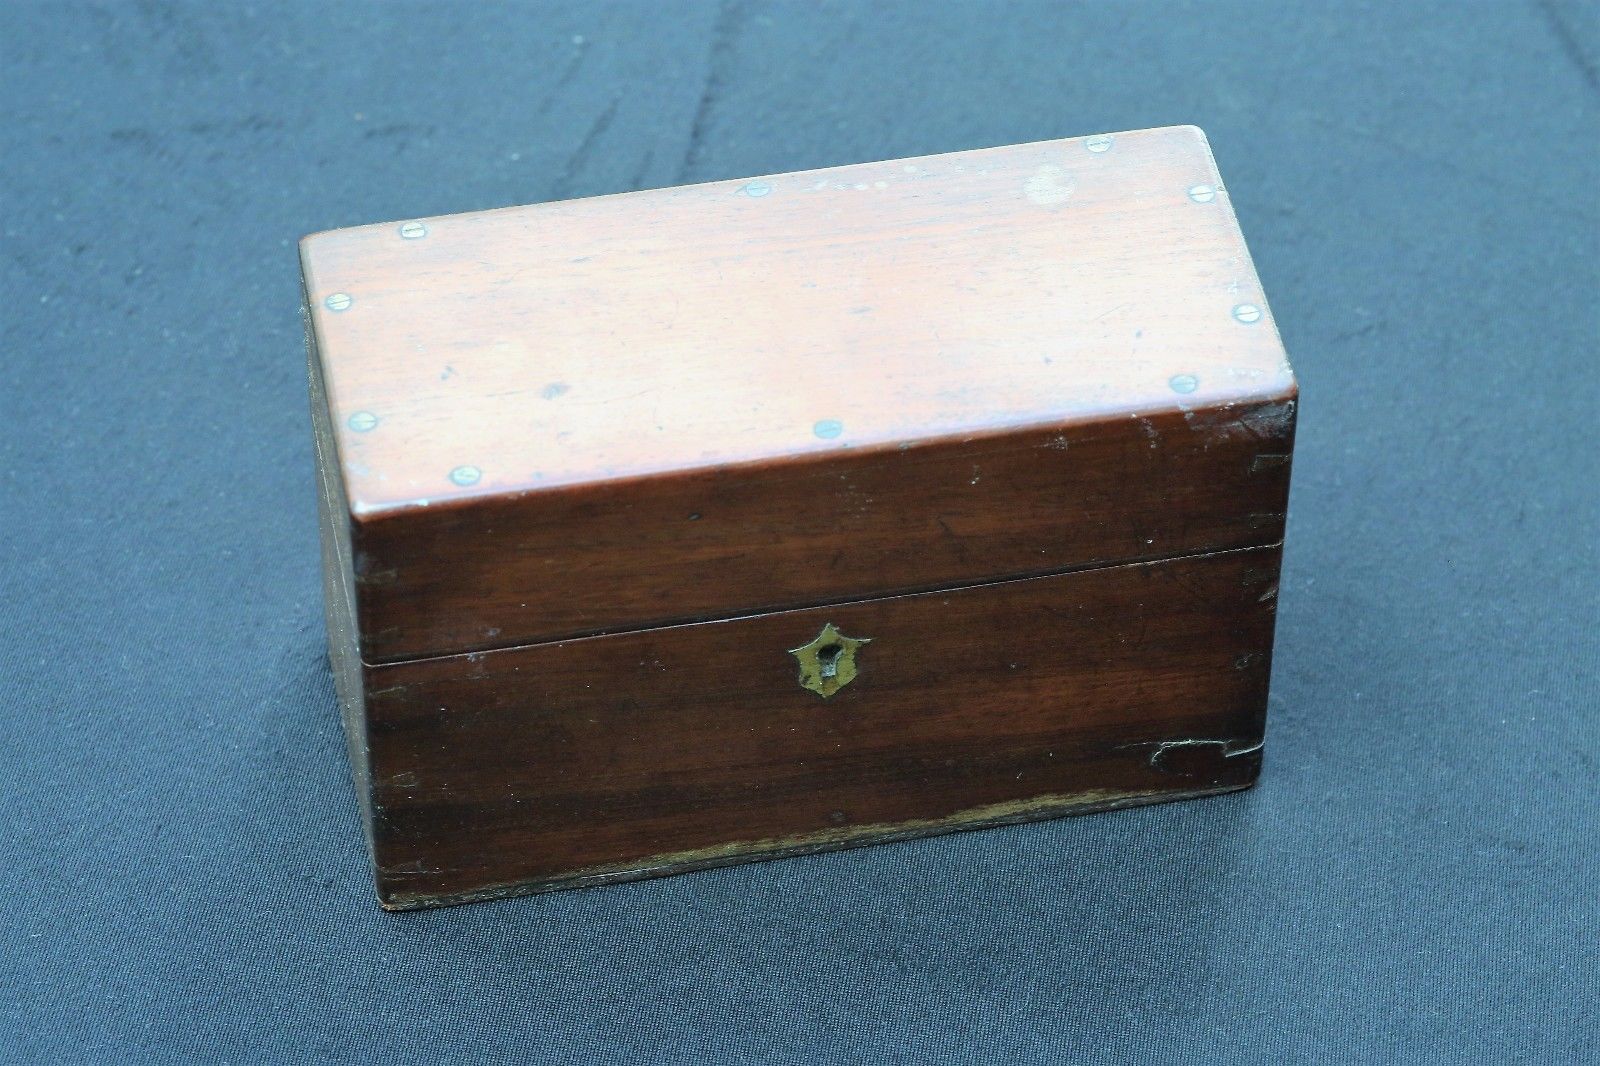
(1414, 880)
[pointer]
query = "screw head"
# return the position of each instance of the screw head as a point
(1247, 313)
(828, 428)
(338, 301)
(362, 421)
(1184, 383)
(412, 231)
(466, 475)
(1202, 194)
(756, 189)
(1100, 142)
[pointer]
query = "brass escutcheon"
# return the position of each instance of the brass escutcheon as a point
(828, 662)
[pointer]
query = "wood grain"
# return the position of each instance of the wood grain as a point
(645, 753)
(716, 542)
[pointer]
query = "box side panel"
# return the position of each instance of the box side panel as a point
(646, 753)
(721, 542)
(338, 590)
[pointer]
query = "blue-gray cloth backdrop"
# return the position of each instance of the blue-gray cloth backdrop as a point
(1416, 877)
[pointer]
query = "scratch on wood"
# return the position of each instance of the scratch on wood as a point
(410, 869)
(955, 539)
(1269, 422)
(1228, 747)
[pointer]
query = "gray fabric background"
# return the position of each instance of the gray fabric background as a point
(1416, 877)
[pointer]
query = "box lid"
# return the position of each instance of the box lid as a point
(699, 402)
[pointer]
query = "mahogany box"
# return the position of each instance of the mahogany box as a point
(685, 527)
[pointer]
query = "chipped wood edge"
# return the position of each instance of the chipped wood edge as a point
(1040, 808)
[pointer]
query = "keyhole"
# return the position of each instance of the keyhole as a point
(828, 659)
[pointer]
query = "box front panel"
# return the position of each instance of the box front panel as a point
(644, 753)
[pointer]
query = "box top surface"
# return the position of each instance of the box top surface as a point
(857, 307)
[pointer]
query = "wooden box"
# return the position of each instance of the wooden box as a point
(740, 520)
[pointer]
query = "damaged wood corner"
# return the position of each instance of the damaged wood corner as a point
(1190, 756)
